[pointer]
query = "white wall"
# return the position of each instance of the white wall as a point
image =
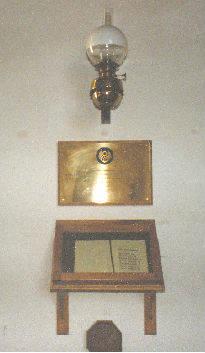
(45, 80)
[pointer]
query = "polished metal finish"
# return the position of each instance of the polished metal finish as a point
(107, 90)
(106, 93)
(104, 155)
(126, 180)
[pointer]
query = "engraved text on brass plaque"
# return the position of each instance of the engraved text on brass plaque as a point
(110, 173)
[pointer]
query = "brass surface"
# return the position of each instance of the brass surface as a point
(107, 90)
(127, 180)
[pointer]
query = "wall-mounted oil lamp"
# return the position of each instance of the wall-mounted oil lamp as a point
(106, 49)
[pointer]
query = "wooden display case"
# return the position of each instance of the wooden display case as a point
(106, 256)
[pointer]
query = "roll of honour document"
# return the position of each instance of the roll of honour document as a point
(111, 256)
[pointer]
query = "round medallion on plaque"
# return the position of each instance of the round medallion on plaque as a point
(104, 155)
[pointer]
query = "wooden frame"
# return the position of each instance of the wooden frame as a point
(149, 283)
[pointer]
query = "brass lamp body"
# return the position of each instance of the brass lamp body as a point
(107, 90)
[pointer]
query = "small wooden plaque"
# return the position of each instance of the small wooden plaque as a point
(104, 336)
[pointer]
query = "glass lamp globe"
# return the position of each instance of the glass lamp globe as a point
(106, 44)
(106, 49)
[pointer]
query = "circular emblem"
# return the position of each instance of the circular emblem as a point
(104, 155)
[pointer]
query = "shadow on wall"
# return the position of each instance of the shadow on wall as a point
(46, 266)
(83, 115)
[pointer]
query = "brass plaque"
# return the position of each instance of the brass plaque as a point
(105, 173)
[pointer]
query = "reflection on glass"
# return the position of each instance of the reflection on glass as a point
(92, 256)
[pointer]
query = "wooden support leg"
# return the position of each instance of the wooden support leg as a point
(62, 313)
(150, 314)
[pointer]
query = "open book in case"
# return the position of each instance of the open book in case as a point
(105, 252)
(94, 255)
(112, 256)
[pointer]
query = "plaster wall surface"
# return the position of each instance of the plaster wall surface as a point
(44, 84)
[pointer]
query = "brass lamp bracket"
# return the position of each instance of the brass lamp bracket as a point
(107, 90)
